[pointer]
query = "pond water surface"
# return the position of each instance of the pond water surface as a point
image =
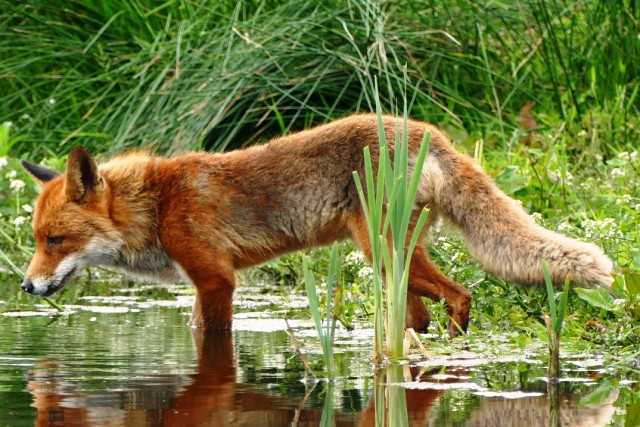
(132, 361)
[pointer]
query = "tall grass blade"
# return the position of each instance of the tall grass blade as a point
(554, 325)
(550, 292)
(326, 334)
(562, 307)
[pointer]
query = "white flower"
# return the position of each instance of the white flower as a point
(624, 155)
(444, 243)
(19, 221)
(3, 162)
(11, 174)
(604, 229)
(568, 176)
(617, 172)
(625, 199)
(563, 226)
(27, 208)
(7, 124)
(17, 184)
(355, 257)
(52, 101)
(589, 225)
(365, 272)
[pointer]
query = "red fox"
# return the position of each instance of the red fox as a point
(201, 217)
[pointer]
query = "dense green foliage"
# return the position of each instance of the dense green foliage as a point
(179, 74)
(186, 75)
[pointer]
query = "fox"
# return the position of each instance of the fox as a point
(201, 217)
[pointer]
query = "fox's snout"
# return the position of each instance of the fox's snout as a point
(46, 287)
(27, 286)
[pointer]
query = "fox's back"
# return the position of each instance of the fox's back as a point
(293, 192)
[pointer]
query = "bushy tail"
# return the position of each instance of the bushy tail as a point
(500, 234)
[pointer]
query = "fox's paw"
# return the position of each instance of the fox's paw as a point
(594, 268)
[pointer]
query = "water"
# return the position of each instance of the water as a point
(132, 361)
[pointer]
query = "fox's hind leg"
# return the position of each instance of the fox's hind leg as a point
(426, 280)
(418, 316)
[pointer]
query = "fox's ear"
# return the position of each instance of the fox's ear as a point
(40, 174)
(82, 177)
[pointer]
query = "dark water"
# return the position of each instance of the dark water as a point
(132, 361)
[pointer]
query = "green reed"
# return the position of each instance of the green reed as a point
(388, 201)
(554, 322)
(325, 325)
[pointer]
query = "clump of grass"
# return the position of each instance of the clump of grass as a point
(219, 74)
(388, 199)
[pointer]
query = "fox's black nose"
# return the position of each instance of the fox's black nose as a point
(27, 286)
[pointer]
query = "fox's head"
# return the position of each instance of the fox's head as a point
(71, 223)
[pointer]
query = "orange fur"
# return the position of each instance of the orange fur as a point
(203, 216)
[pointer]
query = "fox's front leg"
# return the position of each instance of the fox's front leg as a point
(213, 308)
(215, 283)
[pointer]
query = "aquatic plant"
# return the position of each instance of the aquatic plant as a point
(388, 199)
(553, 322)
(325, 326)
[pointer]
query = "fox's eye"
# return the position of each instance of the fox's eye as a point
(53, 241)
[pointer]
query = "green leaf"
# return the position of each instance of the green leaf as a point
(510, 180)
(550, 294)
(598, 297)
(562, 308)
(598, 396)
(633, 415)
(632, 282)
